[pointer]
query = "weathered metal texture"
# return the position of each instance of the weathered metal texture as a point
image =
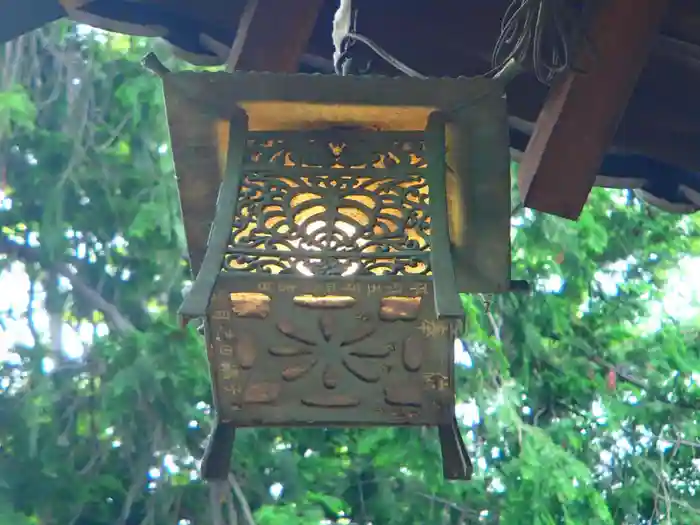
(335, 202)
(324, 310)
(331, 351)
(199, 141)
(328, 278)
(476, 155)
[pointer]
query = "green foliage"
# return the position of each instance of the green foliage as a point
(583, 396)
(16, 109)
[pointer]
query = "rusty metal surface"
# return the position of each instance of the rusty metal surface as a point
(280, 358)
(476, 160)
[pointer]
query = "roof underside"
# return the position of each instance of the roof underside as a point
(657, 143)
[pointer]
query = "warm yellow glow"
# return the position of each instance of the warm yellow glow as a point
(324, 301)
(397, 307)
(371, 218)
(250, 304)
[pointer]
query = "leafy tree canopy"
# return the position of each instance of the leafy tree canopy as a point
(580, 401)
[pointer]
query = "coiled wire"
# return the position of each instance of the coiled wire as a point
(536, 34)
(539, 35)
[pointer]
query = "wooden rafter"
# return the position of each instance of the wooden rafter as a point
(273, 34)
(74, 4)
(581, 113)
(17, 18)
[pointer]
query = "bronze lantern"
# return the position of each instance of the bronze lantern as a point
(331, 222)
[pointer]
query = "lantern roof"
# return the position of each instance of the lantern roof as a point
(644, 78)
(283, 102)
(200, 106)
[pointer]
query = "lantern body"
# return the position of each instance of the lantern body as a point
(323, 311)
(331, 223)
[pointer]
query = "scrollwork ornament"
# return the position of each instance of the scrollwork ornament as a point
(313, 205)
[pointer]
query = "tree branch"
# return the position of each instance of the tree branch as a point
(30, 254)
(642, 384)
(242, 501)
(623, 375)
(215, 496)
(30, 311)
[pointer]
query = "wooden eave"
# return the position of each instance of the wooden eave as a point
(441, 38)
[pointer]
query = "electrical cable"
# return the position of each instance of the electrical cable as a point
(352, 37)
(539, 35)
(535, 34)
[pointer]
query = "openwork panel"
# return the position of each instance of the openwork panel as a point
(336, 352)
(350, 203)
(321, 264)
(337, 149)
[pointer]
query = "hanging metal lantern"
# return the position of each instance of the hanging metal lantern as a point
(331, 222)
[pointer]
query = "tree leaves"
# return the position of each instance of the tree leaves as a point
(118, 431)
(16, 110)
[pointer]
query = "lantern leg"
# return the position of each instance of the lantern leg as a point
(216, 462)
(456, 464)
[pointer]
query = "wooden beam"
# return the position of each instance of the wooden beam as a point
(581, 113)
(20, 17)
(273, 34)
(74, 4)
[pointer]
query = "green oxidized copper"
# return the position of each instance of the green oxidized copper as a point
(342, 216)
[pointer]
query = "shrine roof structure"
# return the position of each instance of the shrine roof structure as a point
(631, 119)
